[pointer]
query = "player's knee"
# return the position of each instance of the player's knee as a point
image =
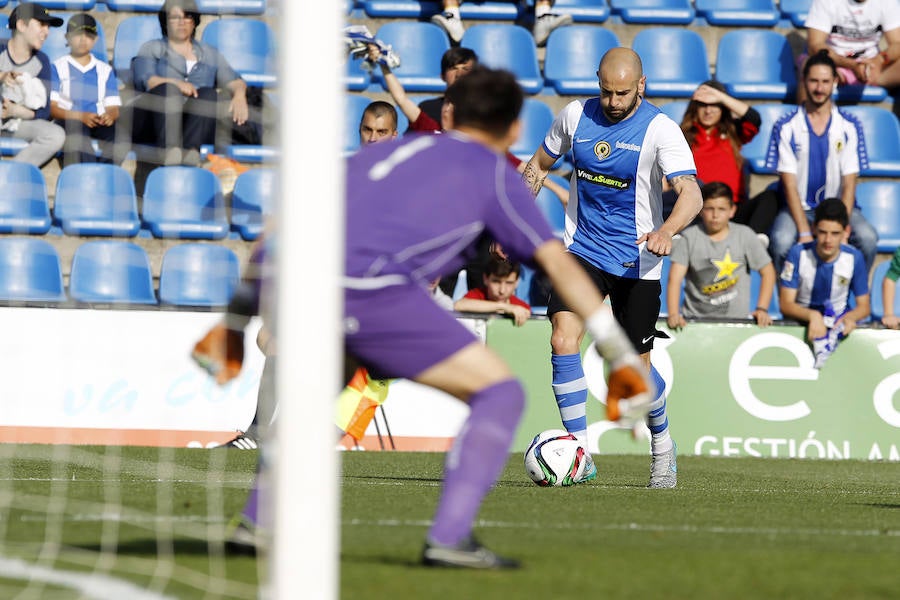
(563, 341)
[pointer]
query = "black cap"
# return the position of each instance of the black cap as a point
(29, 10)
(82, 22)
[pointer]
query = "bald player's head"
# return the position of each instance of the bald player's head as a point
(622, 81)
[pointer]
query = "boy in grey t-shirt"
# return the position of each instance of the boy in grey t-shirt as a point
(716, 256)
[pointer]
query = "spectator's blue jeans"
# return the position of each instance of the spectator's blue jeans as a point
(784, 235)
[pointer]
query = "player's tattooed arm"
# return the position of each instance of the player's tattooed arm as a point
(688, 204)
(533, 179)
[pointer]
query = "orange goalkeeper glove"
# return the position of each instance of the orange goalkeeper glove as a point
(220, 353)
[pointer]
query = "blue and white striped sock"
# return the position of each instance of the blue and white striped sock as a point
(570, 389)
(657, 420)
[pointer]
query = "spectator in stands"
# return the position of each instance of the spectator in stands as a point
(544, 20)
(818, 151)
(715, 256)
(497, 293)
(378, 123)
(889, 292)
(25, 81)
(178, 78)
(716, 125)
(818, 278)
(851, 32)
(84, 96)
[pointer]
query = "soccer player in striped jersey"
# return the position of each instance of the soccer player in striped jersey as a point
(623, 146)
(818, 278)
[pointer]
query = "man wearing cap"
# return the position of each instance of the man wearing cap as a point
(84, 96)
(21, 60)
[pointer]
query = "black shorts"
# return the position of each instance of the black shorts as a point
(635, 303)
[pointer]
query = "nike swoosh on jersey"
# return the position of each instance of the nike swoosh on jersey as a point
(647, 339)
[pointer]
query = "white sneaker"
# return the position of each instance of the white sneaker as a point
(452, 25)
(764, 239)
(664, 470)
(543, 26)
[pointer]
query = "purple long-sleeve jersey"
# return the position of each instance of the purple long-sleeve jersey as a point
(415, 208)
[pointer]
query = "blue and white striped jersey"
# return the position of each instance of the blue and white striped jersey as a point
(818, 282)
(818, 161)
(616, 187)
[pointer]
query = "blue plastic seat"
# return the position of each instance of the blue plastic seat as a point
(795, 10)
(71, 5)
(536, 118)
(249, 47)
(420, 47)
(882, 137)
(55, 45)
(184, 203)
(572, 56)
(23, 204)
(755, 282)
(659, 12)
(356, 79)
(198, 275)
(488, 10)
(551, 207)
(134, 5)
(249, 153)
(739, 13)
(772, 76)
(254, 198)
(583, 11)
(675, 60)
(507, 47)
(675, 109)
(111, 271)
(879, 202)
(30, 271)
(10, 146)
(131, 34)
(96, 199)
(877, 295)
(232, 7)
(755, 150)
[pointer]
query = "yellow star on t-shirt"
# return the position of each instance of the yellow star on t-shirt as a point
(726, 266)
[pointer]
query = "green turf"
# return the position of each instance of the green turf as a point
(734, 528)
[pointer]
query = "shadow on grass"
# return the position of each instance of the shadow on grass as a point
(150, 548)
(394, 478)
(882, 505)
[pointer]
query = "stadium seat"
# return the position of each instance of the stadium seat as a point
(551, 207)
(23, 203)
(198, 275)
(248, 153)
(420, 47)
(659, 12)
(675, 60)
(572, 56)
(882, 136)
(185, 203)
(96, 199)
(232, 7)
(879, 202)
(131, 34)
(55, 45)
(356, 79)
(795, 10)
(852, 94)
(675, 109)
(877, 297)
(111, 271)
(507, 47)
(30, 271)
(249, 47)
(70, 5)
(773, 75)
(536, 119)
(583, 11)
(488, 10)
(755, 150)
(254, 197)
(134, 5)
(10, 146)
(755, 282)
(739, 13)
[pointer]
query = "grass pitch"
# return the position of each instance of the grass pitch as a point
(734, 528)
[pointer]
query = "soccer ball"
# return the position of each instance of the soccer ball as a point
(555, 458)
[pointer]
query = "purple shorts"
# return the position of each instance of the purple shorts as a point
(399, 331)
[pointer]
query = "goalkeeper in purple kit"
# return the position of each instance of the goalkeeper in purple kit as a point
(415, 210)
